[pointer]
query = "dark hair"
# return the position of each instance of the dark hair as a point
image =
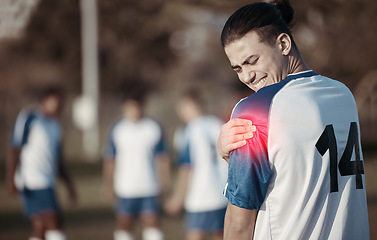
(134, 93)
(50, 91)
(267, 19)
(194, 95)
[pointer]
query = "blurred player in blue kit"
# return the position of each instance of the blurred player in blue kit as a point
(301, 176)
(202, 173)
(34, 161)
(136, 169)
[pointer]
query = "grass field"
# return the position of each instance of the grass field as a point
(93, 218)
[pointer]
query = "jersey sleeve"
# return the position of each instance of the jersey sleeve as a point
(160, 146)
(184, 156)
(249, 168)
(110, 149)
(182, 147)
(21, 128)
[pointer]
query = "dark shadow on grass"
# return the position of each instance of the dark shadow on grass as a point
(17, 221)
(88, 216)
(11, 221)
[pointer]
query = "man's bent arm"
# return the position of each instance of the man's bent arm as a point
(107, 189)
(164, 176)
(239, 223)
(64, 176)
(12, 163)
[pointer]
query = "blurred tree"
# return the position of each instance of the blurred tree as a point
(169, 45)
(133, 42)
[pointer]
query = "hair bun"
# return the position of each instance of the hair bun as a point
(285, 9)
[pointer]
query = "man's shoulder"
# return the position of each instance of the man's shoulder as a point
(335, 83)
(261, 101)
(255, 104)
(29, 112)
(26, 116)
(152, 125)
(150, 122)
(24, 123)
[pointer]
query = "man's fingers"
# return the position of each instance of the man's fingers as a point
(238, 126)
(234, 134)
(236, 145)
(248, 135)
(239, 122)
(238, 137)
(241, 130)
(234, 139)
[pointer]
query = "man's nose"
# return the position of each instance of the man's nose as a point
(248, 75)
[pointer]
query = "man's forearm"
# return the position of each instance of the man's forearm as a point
(13, 159)
(108, 173)
(64, 175)
(239, 223)
(12, 163)
(163, 166)
(183, 181)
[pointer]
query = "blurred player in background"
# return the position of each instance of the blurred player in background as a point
(301, 176)
(202, 172)
(34, 161)
(136, 169)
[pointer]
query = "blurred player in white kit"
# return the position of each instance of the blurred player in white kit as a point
(34, 162)
(136, 169)
(202, 173)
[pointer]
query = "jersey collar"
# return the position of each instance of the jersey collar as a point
(308, 73)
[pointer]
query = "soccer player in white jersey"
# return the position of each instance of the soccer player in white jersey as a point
(202, 172)
(301, 176)
(33, 163)
(136, 169)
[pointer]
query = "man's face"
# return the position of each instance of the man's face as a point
(51, 105)
(132, 110)
(257, 64)
(186, 109)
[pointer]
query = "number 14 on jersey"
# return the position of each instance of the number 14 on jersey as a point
(327, 141)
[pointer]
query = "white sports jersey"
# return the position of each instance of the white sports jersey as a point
(134, 147)
(39, 141)
(196, 145)
(303, 168)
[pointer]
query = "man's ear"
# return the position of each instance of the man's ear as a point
(284, 43)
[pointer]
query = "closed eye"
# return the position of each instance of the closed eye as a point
(251, 61)
(237, 69)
